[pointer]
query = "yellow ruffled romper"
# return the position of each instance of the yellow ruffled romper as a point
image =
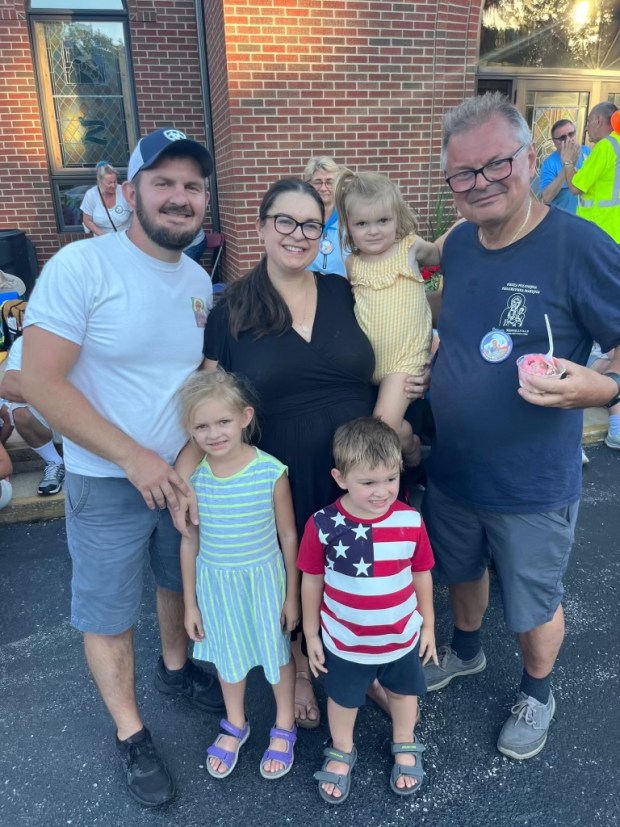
(392, 310)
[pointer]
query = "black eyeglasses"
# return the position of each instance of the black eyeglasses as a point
(286, 225)
(565, 137)
(494, 171)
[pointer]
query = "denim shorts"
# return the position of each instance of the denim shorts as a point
(530, 553)
(346, 682)
(111, 535)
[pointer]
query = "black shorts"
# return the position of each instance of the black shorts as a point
(346, 682)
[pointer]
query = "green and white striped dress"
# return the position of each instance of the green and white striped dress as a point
(240, 577)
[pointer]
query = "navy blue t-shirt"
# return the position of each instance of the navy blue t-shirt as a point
(493, 449)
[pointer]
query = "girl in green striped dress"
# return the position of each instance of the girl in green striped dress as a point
(240, 580)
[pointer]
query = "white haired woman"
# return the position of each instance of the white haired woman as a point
(103, 207)
(322, 174)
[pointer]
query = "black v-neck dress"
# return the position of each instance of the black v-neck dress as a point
(306, 389)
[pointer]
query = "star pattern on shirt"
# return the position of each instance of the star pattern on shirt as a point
(362, 567)
(361, 531)
(348, 543)
(341, 550)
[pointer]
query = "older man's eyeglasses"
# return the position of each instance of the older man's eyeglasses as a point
(286, 225)
(465, 180)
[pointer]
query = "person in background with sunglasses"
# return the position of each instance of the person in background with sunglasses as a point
(553, 188)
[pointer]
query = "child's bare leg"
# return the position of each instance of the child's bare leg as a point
(341, 723)
(404, 710)
(284, 693)
(378, 694)
(234, 698)
(306, 707)
(391, 407)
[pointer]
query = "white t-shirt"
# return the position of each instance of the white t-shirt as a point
(140, 324)
(93, 206)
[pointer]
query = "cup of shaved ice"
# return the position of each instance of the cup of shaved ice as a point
(538, 364)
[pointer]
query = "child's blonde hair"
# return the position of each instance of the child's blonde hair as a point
(366, 441)
(216, 384)
(370, 186)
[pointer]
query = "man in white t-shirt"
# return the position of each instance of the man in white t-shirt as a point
(110, 335)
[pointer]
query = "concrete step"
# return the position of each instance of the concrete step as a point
(26, 505)
(22, 456)
(595, 422)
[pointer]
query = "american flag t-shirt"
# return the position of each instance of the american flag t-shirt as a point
(369, 612)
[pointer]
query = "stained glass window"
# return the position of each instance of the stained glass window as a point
(84, 86)
(84, 75)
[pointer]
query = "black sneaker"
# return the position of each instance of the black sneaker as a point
(199, 687)
(148, 779)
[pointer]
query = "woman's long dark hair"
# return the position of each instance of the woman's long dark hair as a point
(253, 302)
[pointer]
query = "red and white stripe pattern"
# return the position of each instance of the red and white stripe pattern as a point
(369, 611)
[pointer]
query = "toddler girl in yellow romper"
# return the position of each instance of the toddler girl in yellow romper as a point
(379, 229)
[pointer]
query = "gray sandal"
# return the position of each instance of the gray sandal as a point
(398, 770)
(343, 782)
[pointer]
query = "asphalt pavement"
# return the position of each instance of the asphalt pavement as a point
(58, 764)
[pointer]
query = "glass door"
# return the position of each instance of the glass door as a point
(543, 102)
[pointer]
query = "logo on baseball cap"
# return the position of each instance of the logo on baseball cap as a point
(150, 148)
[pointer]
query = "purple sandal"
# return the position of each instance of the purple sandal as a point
(286, 758)
(228, 757)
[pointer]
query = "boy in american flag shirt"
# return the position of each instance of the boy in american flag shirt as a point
(367, 598)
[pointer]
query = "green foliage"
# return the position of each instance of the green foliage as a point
(440, 218)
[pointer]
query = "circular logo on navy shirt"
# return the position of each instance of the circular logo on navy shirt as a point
(495, 346)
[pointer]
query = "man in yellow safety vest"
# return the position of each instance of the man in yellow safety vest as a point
(597, 183)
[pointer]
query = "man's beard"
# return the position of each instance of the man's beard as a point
(168, 238)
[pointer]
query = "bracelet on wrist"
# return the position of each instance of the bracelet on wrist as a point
(569, 163)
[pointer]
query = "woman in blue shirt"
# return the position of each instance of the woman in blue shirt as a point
(322, 174)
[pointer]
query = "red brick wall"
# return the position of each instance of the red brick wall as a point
(25, 194)
(165, 63)
(365, 81)
(167, 79)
